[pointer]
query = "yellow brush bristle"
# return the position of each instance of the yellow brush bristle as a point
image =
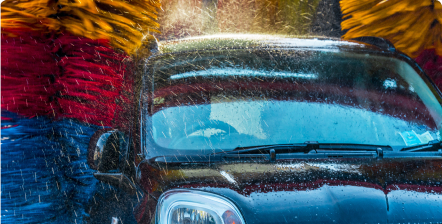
(125, 23)
(411, 25)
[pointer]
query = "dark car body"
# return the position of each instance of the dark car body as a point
(312, 191)
(370, 187)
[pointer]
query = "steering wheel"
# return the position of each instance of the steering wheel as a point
(197, 126)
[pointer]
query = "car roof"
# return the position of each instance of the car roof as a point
(244, 41)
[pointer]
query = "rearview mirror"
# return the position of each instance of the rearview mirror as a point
(104, 150)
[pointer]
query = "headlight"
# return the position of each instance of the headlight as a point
(196, 207)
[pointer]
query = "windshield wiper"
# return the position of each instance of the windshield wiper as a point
(307, 147)
(307, 150)
(283, 148)
(432, 146)
(311, 149)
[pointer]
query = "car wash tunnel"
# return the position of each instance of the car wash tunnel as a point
(221, 111)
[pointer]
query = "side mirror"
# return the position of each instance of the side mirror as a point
(104, 150)
(106, 147)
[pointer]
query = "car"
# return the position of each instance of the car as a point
(260, 129)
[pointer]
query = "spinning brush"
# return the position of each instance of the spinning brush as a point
(27, 74)
(411, 25)
(92, 78)
(124, 23)
(61, 57)
(61, 76)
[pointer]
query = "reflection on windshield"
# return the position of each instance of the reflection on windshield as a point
(226, 72)
(224, 100)
(228, 125)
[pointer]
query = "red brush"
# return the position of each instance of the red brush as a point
(67, 76)
(92, 78)
(28, 73)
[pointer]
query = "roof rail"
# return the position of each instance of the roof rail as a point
(377, 41)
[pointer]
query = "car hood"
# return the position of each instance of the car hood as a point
(336, 204)
(311, 191)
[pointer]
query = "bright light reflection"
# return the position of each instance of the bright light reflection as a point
(241, 72)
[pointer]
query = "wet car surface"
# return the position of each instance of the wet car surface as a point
(317, 191)
(265, 129)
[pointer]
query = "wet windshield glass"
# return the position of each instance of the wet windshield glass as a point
(221, 100)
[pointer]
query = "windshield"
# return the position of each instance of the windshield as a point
(221, 100)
